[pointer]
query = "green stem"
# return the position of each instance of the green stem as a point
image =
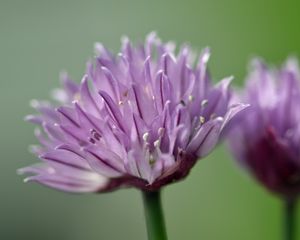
(289, 219)
(154, 216)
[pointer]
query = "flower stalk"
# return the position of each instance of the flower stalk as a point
(290, 219)
(154, 215)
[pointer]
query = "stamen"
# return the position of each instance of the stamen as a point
(146, 136)
(161, 131)
(191, 98)
(34, 103)
(204, 102)
(151, 160)
(95, 134)
(202, 119)
(182, 102)
(157, 143)
(76, 97)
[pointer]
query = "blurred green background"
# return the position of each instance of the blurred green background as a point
(40, 38)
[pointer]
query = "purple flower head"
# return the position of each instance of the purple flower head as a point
(141, 119)
(266, 139)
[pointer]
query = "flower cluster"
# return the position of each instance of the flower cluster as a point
(266, 138)
(141, 118)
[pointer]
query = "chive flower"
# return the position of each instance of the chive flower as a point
(141, 118)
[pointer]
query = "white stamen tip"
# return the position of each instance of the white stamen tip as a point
(34, 103)
(26, 180)
(220, 119)
(37, 131)
(206, 55)
(156, 143)
(98, 48)
(202, 119)
(59, 95)
(191, 98)
(145, 136)
(77, 97)
(204, 102)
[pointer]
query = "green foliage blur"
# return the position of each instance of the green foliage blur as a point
(40, 38)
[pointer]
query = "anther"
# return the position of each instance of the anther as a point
(157, 143)
(151, 160)
(145, 136)
(191, 98)
(161, 131)
(204, 102)
(95, 134)
(76, 97)
(202, 119)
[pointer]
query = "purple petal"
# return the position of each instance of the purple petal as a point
(206, 138)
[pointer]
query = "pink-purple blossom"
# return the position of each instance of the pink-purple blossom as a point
(140, 118)
(266, 138)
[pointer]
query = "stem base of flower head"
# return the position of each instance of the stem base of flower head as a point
(289, 219)
(154, 215)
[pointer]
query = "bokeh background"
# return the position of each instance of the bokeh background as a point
(39, 38)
